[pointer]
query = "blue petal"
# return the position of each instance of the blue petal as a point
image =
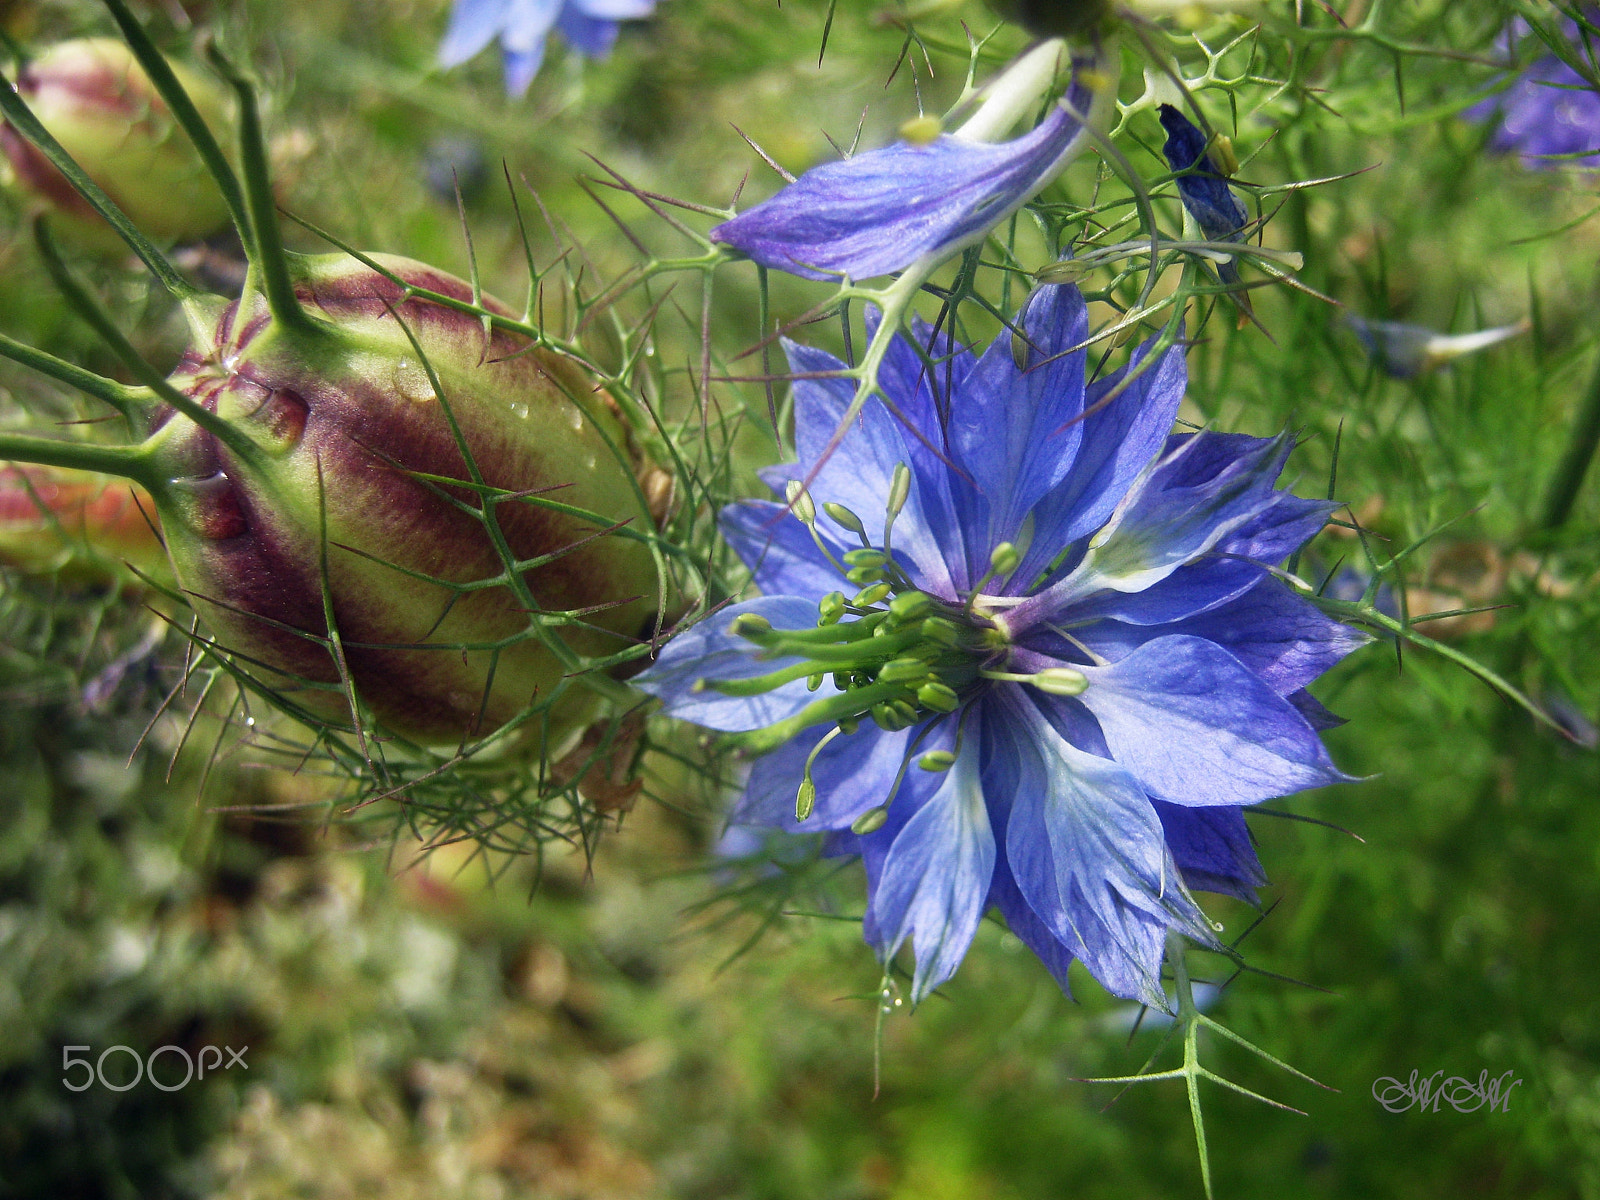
(779, 550)
(853, 774)
(1278, 531)
(520, 67)
(882, 210)
(1212, 848)
(1013, 430)
(592, 36)
(1286, 641)
(1188, 591)
(527, 23)
(1119, 439)
(1178, 509)
(1195, 726)
(1204, 191)
(614, 10)
(709, 651)
(859, 472)
(935, 879)
(473, 25)
(1004, 894)
(1087, 851)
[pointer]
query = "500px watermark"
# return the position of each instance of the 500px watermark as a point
(144, 1068)
(1460, 1094)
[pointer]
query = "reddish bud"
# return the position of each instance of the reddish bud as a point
(98, 103)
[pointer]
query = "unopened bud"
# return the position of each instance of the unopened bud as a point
(1004, 558)
(800, 502)
(870, 821)
(95, 99)
(868, 596)
(899, 489)
(750, 625)
(1060, 681)
(919, 131)
(844, 517)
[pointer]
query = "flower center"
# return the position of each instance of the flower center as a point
(890, 653)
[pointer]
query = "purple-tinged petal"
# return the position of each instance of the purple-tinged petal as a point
(1119, 439)
(1317, 716)
(1281, 638)
(1195, 726)
(1087, 851)
(1188, 591)
(1056, 955)
(852, 774)
(858, 474)
(1204, 191)
(1015, 430)
(1212, 848)
(1178, 509)
(780, 552)
(935, 879)
(520, 67)
(710, 650)
(589, 35)
(882, 210)
(1279, 530)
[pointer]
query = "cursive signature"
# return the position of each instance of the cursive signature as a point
(1460, 1094)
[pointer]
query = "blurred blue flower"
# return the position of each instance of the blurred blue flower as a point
(1068, 667)
(882, 210)
(1406, 351)
(588, 26)
(1550, 113)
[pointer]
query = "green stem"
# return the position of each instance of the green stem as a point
(21, 118)
(267, 255)
(1574, 466)
(129, 462)
(185, 113)
(121, 398)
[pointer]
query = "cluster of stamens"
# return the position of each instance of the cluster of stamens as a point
(895, 655)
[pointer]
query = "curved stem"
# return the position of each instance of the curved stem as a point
(185, 113)
(268, 259)
(123, 399)
(129, 462)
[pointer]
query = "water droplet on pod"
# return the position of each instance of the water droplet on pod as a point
(411, 381)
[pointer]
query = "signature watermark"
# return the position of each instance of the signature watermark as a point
(144, 1068)
(1463, 1095)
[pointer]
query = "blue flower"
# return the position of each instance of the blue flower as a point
(882, 210)
(1548, 115)
(1068, 667)
(588, 26)
(1205, 192)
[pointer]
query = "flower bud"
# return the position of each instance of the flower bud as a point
(83, 526)
(100, 105)
(346, 504)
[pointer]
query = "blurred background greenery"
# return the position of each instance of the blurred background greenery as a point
(590, 1029)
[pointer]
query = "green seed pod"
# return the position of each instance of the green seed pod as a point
(101, 106)
(344, 420)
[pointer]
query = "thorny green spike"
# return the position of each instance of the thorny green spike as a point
(1188, 1020)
